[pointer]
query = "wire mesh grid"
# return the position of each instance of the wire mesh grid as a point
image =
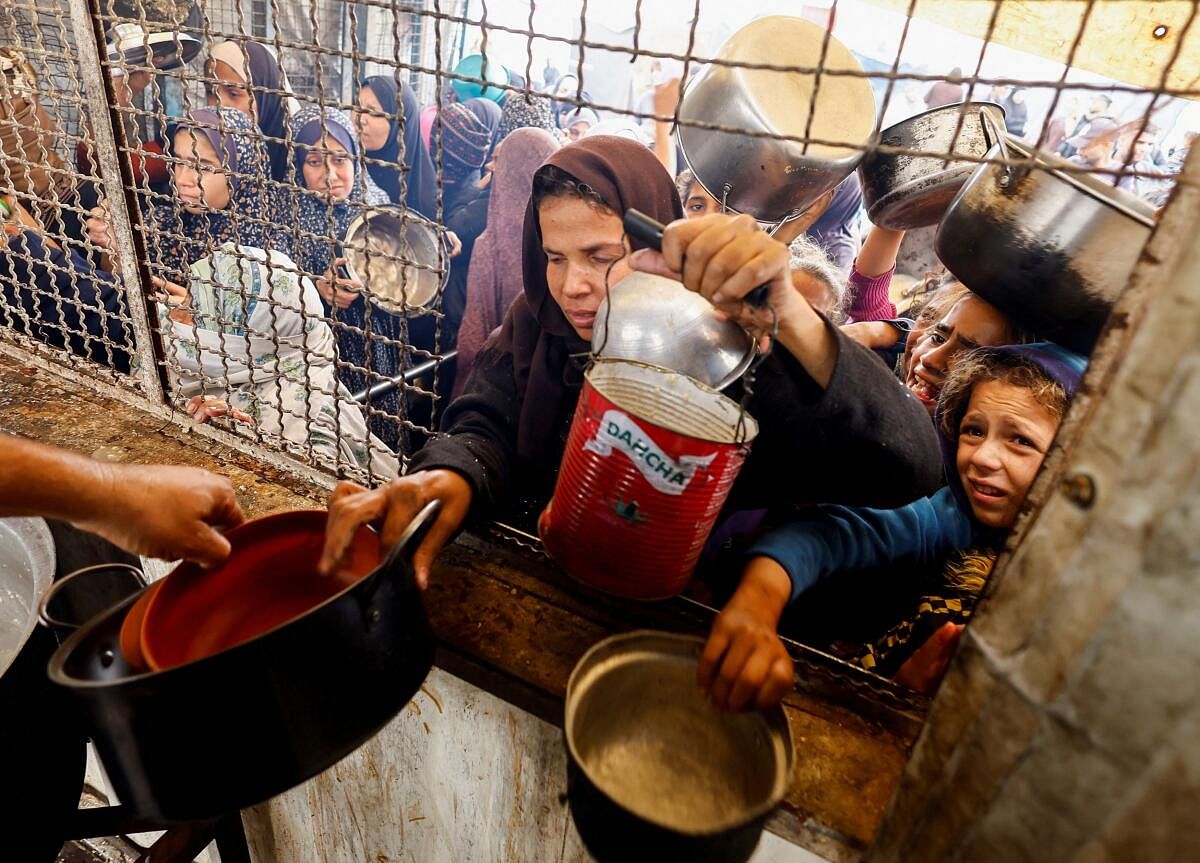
(238, 208)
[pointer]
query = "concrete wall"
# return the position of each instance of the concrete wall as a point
(1067, 729)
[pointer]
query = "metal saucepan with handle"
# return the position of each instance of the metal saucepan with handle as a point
(902, 191)
(776, 180)
(654, 772)
(1050, 248)
(224, 730)
(398, 255)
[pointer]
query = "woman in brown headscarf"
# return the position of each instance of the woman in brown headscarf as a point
(834, 423)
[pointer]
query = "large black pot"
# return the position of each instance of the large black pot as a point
(654, 773)
(233, 729)
(1049, 247)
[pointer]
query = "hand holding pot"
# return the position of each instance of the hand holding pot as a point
(336, 290)
(723, 258)
(390, 509)
(744, 663)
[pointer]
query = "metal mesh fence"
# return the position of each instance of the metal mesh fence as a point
(238, 211)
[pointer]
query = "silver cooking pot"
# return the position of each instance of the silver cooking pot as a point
(656, 320)
(1050, 248)
(771, 179)
(902, 191)
(399, 256)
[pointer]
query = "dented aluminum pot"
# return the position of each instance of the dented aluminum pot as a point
(902, 191)
(771, 178)
(654, 772)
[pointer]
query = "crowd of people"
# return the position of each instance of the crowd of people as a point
(894, 445)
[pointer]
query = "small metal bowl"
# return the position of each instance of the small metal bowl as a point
(658, 321)
(656, 773)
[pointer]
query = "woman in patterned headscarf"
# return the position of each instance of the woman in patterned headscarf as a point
(331, 193)
(520, 111)
(219, 166)
(248, 341)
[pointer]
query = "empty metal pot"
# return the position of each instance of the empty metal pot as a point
(771, 179)
(398, 256)
(656, 320)
(903, 191)
(1050, 248)
(654, 771)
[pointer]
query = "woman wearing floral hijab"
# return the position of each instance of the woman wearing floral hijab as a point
(218, 170)
(330, 196)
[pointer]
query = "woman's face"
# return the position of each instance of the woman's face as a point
(578, 130)
(232, 91)
(203, 188)
(581, 242)
(1002, 440)
(372, 128)
(329, 170)
(970, 323)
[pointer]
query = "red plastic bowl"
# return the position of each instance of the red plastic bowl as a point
(269, 579)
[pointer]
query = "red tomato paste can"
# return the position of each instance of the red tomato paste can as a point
(650, 459)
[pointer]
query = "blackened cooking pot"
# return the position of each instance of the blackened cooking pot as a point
(235, 728)
(654, 772)
(1051, 248)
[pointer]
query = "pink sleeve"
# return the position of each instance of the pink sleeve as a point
(868, 300)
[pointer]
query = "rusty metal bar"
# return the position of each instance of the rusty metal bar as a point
(109, 138)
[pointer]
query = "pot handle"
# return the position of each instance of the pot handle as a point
(996, 137)
(64, 608)
(404, 547)
(416, 531)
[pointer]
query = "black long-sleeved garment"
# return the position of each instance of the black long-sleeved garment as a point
(863, 440)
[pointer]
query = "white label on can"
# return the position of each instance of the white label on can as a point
(618, 431)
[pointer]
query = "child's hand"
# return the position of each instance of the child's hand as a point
(744, 662)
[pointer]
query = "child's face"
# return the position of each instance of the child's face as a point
(971, 323)
(329, 170)
(207, 187)
(1002, 439)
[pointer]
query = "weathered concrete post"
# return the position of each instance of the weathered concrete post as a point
(1068, 728)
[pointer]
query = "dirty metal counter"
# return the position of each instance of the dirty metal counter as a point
(512, 624)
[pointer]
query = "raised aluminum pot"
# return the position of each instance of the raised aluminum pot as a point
(1050, 248)
(398, 256)
(771, 179)
(654, 772)
(904, 192)
(658, 321)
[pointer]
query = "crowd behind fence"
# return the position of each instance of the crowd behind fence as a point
(267, 215)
